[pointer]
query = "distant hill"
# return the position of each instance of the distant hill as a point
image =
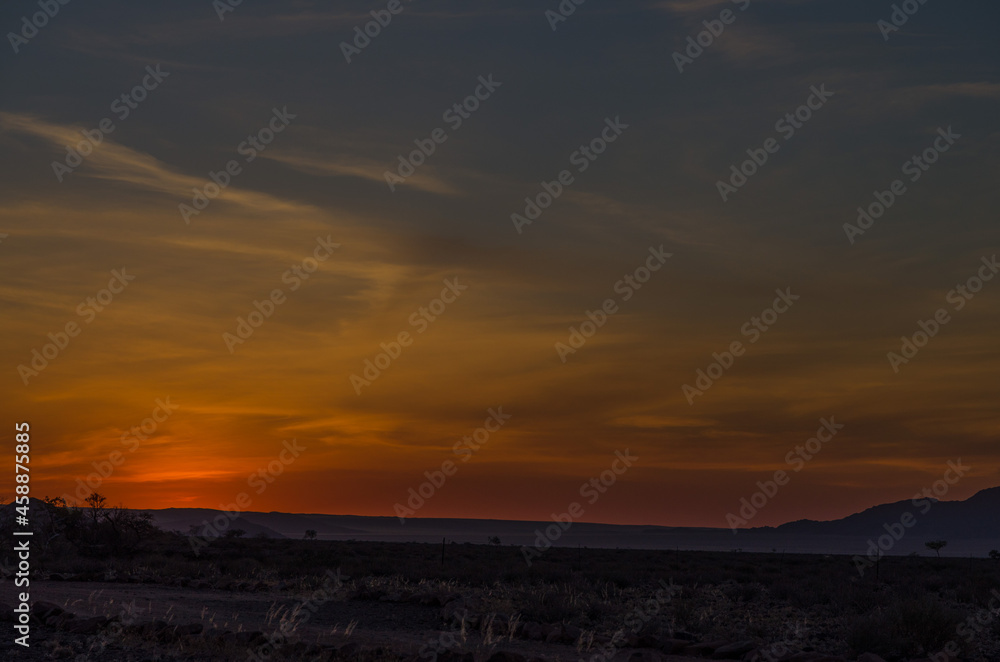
(971, 527)
(978, 517)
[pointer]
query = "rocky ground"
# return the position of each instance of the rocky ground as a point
(119, 622)
(258, 599)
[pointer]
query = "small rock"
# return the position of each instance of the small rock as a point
(86, 625)
(191, 629)
(152, 627)
(625, 639)
(533, 631)
(507, 656)
(649, 641)
(455, 610)
(436, 599)
(45, 610)
(455, 656)
(251, 638)
(733, 651)
(673, 645)
(704, 649)
(158, 630)
(59, 621)
(570, 634)
(299, 648)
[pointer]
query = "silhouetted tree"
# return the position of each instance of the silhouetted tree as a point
(936, 545)
(93, 529)
(124, 529)
(96, 502)
(995, 555)
(235, 533)
(54, 523)
(310, 534)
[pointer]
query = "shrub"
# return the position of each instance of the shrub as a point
(904, 629)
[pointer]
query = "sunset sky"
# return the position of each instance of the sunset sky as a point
(609, 67)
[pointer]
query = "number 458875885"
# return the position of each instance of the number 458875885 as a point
(21, 460)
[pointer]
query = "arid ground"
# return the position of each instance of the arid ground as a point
(256, 599)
